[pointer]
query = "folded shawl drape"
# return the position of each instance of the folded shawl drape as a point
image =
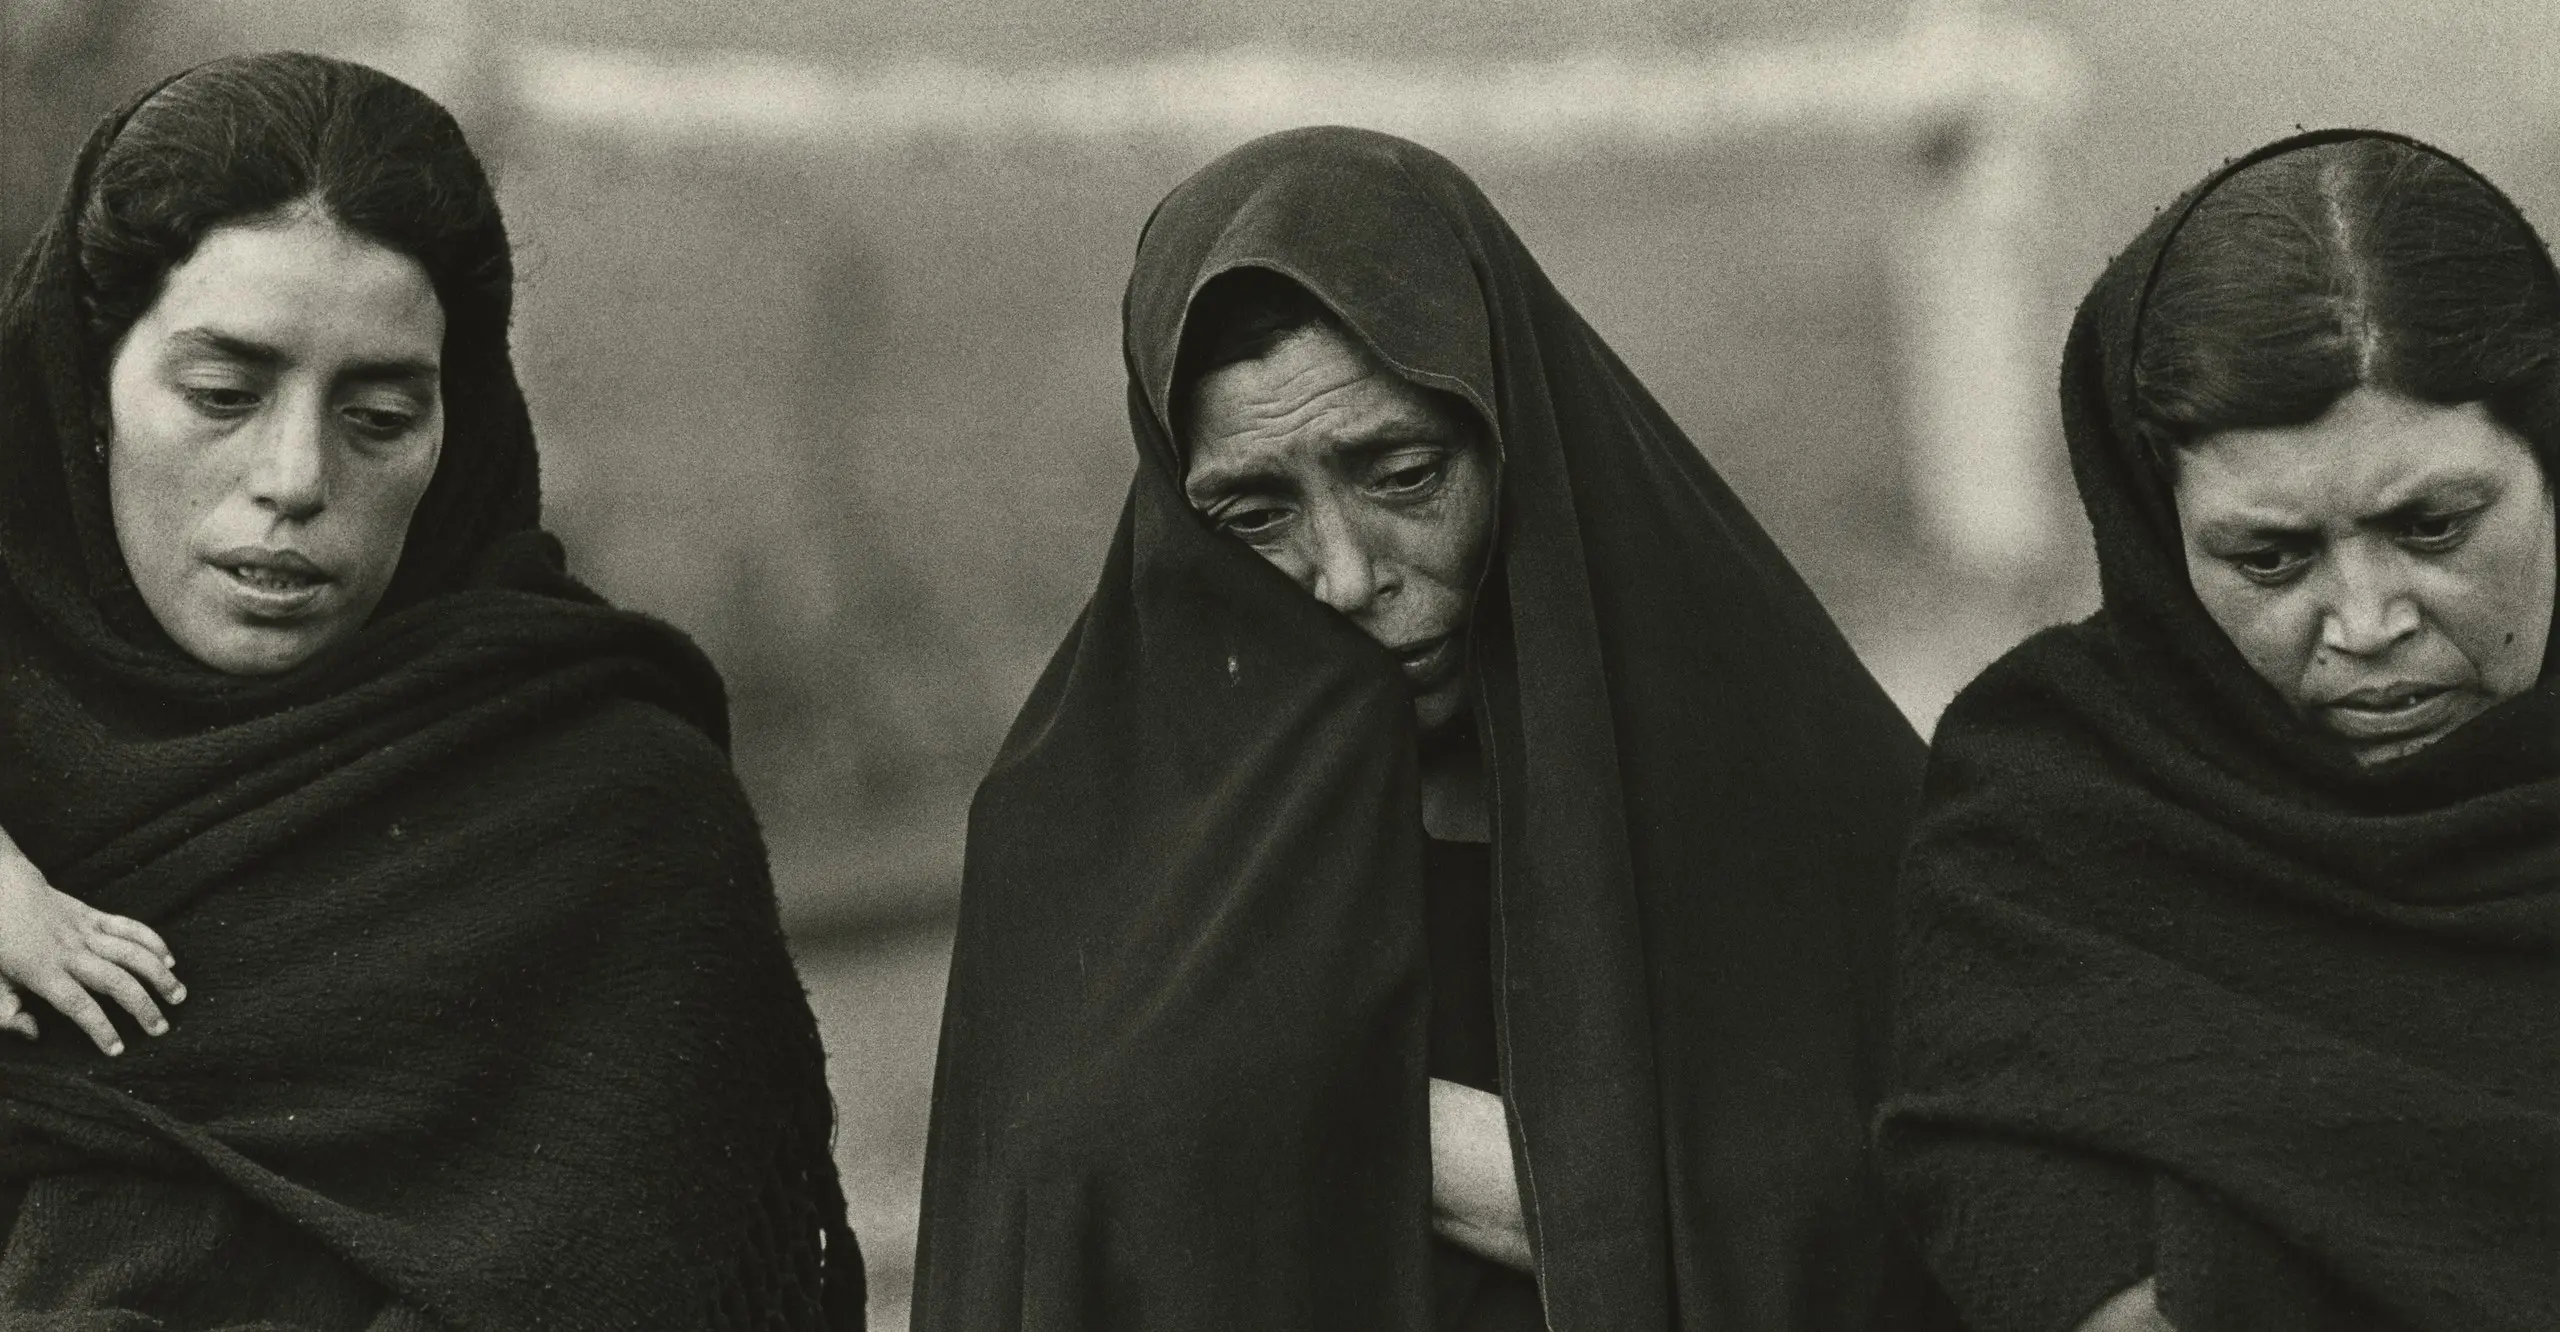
(1182, 1079)
(490, 1012)
(2187, 992)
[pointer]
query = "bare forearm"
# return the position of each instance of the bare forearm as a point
(2132, 1310)
(1475, 1197)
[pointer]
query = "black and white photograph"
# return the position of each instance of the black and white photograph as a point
(1258, 666)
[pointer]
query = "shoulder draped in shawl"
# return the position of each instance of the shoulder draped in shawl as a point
(1182, 1080)
(2188, 993)
(490, 1013)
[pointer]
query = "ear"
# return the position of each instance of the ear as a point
(102, 423)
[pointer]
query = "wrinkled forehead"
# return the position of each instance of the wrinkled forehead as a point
(1350, 216)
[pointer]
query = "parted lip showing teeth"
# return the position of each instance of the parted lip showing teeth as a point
(2392, 712)
(270, 570)
(2383, 700)
(278, 579)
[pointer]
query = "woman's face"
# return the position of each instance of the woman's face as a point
(2388, 567)
(277, 417)
(1375, 495)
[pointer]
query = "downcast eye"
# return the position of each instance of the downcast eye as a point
(379, 423)
(1250, 520)
(2269, 564)
(1413, 476)
(2437, 531)
(219, 400)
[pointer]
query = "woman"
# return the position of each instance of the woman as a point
(1441, 879)
(490, 1023)
(2229, 979)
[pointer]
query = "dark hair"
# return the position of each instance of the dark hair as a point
(2363, 263)
(1239, 316)
(246, 138)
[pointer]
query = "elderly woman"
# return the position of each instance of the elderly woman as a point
(1441, 881)
(2229, 992)
(489, 1022)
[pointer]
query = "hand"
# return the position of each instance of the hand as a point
(2132, 1310)
(56, 947)
(1475, 1196)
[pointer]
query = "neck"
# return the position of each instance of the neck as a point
(1453, 795)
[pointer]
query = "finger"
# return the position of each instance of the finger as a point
(68, 999)
(105, 977)
(13, 1013)
(141, 962)
(127, 928)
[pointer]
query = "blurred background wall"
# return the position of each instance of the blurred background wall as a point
(820, 313)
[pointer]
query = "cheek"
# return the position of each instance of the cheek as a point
(2274, 629)
(385, 493)
(1443, 545)
(1461, 526)
(164, 475)
(2495, 602)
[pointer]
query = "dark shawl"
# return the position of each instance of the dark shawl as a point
(2188, 992)
(490, 1013)
(1182, 1079)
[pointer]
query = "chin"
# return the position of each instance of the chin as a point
(2376, 754)
(237, 649)
(1441, 708)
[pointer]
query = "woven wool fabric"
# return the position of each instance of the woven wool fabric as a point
(1182, 1076)
(2187, 992)
(490, 1022)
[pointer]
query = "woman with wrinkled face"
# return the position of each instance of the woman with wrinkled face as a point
(1373, 494)
(1440, 881)
(2229, 945)
(296, 696)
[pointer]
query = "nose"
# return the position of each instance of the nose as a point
(2370, 606)
(289, 476)
(1343, 573)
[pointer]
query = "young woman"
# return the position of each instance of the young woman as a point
(2229, 977)
(1442, 879)
(490, 1023)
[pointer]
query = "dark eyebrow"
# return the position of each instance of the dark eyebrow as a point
(1206, 486)
(2456, 491)
(399, 370)
(392, 372)
(2220, 533)
(223, 344)
(1398, 436)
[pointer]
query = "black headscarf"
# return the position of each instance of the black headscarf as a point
(489, 1002)
(2188, 992)
(1182, 1078)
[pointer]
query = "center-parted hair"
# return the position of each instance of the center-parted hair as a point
(249, 139)
(2366, 263)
